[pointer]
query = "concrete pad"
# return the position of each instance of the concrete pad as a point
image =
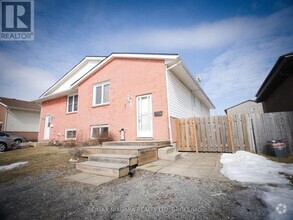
(201, 165)
(184, 161)
(172, 170)
(90, 178)
(202, 162)
(162, 162)
(202, 169)
(180, 165)
(196, 174)
(151, 167)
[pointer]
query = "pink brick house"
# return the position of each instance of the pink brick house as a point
(141, 93)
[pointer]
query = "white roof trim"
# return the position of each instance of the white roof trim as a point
(170, 59)
(1, 103)
(82, 63)
(53, 96)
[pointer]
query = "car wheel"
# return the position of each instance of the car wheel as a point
(3, 147)
(18, 141)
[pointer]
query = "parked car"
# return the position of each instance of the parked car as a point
(17, 139)
(6, 143)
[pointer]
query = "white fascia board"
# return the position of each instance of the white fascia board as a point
(146, 56)
(25, 109)
(1, 103)
(136, 56)
(81, 64)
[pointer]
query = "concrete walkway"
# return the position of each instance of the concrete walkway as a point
(202, 165)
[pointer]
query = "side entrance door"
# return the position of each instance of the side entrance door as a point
(144, 116)
(47, 127)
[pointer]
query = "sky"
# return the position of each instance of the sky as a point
(231, 45)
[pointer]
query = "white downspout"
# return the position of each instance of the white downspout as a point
(168, 106)
(6, 119)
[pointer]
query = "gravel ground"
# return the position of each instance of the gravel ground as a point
(145, 196)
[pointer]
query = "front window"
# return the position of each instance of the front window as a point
(72, 103)
(101, 93)
(99, 131)
(70, 134)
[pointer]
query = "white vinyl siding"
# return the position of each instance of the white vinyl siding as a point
(182, 102)
(21, 120)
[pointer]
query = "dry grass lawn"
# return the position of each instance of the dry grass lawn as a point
(40, 159)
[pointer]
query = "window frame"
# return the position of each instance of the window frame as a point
(70, 129)
(102, 85)
(99, 127)
(73, 102)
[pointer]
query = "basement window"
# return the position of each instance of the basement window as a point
(72, 102)
(99, 131)
(70, 134)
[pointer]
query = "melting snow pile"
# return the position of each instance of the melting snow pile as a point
(12, 166)
(251, 168)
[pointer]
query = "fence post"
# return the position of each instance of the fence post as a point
(195, 134)
(231, 134)
(178, 135)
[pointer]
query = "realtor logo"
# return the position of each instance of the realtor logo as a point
(17, 20)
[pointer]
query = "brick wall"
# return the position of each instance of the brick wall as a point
(128, 78)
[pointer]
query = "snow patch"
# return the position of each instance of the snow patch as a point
(280, 202)
(247, 167)
(12, 166)
(252, 168)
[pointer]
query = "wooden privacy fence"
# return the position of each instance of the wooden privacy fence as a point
(249, 132)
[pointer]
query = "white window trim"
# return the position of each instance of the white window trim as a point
(98, 126)
(70, 129)
(72, 103)
(102, 84)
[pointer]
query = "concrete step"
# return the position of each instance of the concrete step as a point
(104, 169)
(172, 156)
(128, 159)
(165, 150)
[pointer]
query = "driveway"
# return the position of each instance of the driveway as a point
(39, 190)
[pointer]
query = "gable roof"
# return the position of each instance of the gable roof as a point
(238, 105)
(81, 65)
(280, 71)
(171, 61)
(19, 104)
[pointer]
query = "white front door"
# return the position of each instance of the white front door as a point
(47, 127)
(144, 116)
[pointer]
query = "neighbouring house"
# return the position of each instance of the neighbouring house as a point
(140, 93)
(276, 92)
(20, 117)
(248, 106)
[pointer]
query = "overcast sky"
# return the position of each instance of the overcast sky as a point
(231, 45)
